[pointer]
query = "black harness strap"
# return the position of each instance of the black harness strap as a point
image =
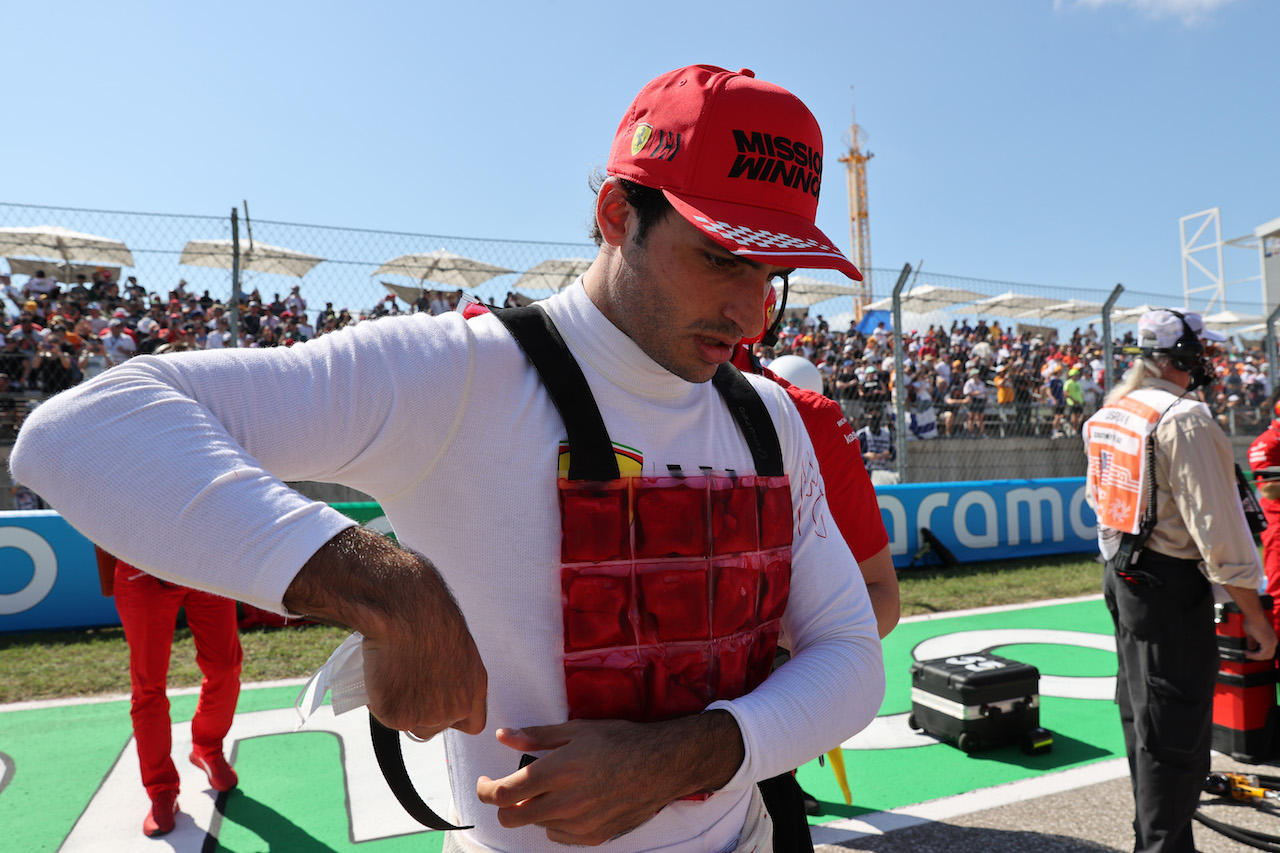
(590, 450)
(749, 411)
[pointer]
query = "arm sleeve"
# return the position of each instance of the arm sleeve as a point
(201, 444)
(834, 683)
(850, 495)
(1202, 476)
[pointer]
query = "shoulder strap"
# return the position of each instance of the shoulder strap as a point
(752, 417)
(590, 450)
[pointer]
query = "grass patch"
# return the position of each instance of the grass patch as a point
(58, 664)
(93, 662)
(989, 584)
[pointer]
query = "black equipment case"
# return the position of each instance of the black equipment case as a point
(977, 701)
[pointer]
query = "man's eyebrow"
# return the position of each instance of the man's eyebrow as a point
(751, 262)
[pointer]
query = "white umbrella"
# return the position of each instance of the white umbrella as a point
(57, 243)
(255, 256)
(24, 266)
(404, 292)
(555, 274)
(441, 267)
(1130, 315)
(1012, 304)
(1230, 319)
(926, 298)
(805, 290)
(1072, 309)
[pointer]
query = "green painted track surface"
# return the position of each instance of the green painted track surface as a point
(294, 796)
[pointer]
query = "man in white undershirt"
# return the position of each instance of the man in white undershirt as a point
(488, 633)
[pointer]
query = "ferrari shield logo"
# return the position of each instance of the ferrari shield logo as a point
(641, 138)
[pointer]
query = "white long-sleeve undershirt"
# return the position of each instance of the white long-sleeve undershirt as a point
(179, 464)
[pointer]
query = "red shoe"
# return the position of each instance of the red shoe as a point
(159, 820)
(221, 776)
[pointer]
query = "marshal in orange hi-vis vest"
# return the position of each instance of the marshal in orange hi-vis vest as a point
(1117, 436)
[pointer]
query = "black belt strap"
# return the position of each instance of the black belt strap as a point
(590, 458)
(386, 748)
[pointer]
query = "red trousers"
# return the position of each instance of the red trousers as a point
(148, 610)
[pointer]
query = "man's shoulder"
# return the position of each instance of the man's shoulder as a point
(1265, 444)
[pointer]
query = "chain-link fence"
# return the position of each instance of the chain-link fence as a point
(998, 375)
(1017, 367)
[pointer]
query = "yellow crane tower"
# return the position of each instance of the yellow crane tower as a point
(859, 222)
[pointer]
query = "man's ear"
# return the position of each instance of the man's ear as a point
(614, 214)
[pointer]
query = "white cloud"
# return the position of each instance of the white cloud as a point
(1190, 12)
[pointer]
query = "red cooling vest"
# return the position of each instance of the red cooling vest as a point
(672, 586)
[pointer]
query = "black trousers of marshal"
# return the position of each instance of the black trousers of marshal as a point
(1168, 653)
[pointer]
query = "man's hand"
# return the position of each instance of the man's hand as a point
(1258, 628)
(604, 778)
(422, 670)
(1269, 489)
(1256, 623)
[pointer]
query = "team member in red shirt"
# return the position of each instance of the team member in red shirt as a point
(849, 492)
(1264, 458)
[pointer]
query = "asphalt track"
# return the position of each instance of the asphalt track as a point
(69, 781)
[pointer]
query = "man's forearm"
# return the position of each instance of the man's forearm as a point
(364, 582)
(705, 751)
(1247, 600)
(422, 670)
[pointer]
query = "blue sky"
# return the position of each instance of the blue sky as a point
(1052, 142)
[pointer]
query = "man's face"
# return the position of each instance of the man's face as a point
(685, 300)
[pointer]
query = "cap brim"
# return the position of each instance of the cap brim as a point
(768, 236)
(1210, 335)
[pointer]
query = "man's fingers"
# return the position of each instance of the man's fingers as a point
(536, 738)
(548, 809)
(509, 791)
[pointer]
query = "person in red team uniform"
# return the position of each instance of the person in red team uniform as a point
(850, 495)
(852, 501)
(1264, 460)
(148, 610)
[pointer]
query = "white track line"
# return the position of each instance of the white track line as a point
(881, 823)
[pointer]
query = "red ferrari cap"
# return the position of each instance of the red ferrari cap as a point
(738, 157)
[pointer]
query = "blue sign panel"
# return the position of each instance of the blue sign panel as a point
(991, 519)
(48, 575)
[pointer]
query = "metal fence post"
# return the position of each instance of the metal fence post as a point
(1108, 351)
(234, 323)
(899, 387)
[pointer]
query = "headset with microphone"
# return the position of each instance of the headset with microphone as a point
(774, 310)
(1186, 354)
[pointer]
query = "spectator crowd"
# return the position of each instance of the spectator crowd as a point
(56, 334)
(985, 379)
(965, 381)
